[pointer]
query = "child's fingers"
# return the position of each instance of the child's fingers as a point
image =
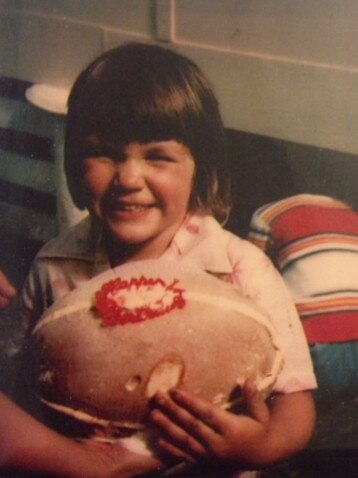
(191, 413)
(174, 451)
(214, 417)
(178, 441)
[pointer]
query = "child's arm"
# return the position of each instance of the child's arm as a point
(194, 430)
(27, 445)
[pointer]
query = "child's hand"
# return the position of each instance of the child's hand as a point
(194, 429)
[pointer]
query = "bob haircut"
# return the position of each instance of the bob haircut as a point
(142, 93)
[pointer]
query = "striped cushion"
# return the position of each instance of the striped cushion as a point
(314, 242)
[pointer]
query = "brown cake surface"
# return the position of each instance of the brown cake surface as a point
(106, 348)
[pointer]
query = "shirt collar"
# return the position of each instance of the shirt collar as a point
(82, 242)
(202, 241)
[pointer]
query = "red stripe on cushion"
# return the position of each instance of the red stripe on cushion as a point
(330, 328)
(311, 220)
(319, 243)
(272, 210)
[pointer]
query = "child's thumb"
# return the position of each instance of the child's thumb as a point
(255, 404)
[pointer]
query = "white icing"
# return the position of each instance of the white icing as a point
(155, 296)
(90, 419)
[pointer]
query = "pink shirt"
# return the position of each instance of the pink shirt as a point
(78, 255)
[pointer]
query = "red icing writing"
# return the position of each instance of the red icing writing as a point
(120, 302)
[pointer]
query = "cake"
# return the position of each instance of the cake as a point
(104, 350)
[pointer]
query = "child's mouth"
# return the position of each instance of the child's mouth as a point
(129, 210)
(132, 207)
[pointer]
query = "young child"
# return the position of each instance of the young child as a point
(145, 154)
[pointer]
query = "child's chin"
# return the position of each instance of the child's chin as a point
(130, 234)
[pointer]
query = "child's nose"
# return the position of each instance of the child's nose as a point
(129, 174)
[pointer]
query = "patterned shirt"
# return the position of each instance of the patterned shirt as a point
(78, 255)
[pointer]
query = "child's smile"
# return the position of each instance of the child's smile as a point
(141, 194)
(128, 209)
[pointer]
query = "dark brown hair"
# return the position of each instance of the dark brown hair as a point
(143, 93)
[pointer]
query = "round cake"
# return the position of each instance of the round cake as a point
(105, 349)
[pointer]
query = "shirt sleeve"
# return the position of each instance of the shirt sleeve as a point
(257, 278)
(33, 297)
(14, 351)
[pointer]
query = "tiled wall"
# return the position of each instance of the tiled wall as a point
(286, 69)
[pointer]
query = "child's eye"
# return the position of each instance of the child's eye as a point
(159, 157)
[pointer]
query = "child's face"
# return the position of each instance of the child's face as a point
(140, 193)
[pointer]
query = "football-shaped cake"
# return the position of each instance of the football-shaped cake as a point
(105, 349)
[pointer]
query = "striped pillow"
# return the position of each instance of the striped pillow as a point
(313, 240)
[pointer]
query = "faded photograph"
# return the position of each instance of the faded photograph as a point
(179, 225)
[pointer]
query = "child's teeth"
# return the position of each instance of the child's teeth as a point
(133, 208)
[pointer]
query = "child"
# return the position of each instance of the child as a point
(145, 155)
